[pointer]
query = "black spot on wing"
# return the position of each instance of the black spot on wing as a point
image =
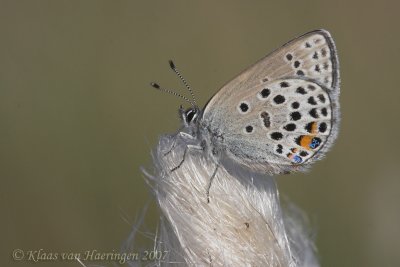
(279, 99)
(249, 129)
(295, 105)
(290, 127)
(313, 113)
(265, 92)
(266, 119)
(301, 90)
(303, 153)
(295, 116)
(284, 84)
(312, 101)
(244, 107)
(276, 135)
(321, 98)
(311, 87)
(322, 127)
(324, 112)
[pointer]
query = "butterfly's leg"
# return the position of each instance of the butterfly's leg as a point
(184, 155)
(180, 163)
(180, 134)
(209, 183)
(172, 148)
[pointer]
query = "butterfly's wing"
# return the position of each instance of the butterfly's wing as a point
(281, 113)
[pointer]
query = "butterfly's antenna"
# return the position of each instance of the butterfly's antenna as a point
(158, 87)
(173, 67)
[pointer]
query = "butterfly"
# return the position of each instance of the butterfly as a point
(277, 116)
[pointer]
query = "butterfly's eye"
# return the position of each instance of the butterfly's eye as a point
(190, 115)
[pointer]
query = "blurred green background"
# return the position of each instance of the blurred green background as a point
(78, 118)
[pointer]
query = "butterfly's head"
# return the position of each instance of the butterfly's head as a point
(189, 116)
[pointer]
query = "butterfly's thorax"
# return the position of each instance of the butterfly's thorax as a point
(201, 133)
(212, 137)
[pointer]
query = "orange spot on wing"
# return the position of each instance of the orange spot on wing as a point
(306, 141)
(314, 128)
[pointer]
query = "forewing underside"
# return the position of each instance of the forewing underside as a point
(311, 56)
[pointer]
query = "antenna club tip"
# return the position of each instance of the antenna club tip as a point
(171, 64)
(155, 85)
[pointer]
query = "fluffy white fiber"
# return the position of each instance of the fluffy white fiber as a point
(242, 225)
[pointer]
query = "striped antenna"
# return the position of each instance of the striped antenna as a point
(158, 87)
(173, 67)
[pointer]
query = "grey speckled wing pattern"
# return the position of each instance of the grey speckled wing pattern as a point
(282, 113)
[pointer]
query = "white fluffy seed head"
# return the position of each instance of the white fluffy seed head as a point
(242, 225)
